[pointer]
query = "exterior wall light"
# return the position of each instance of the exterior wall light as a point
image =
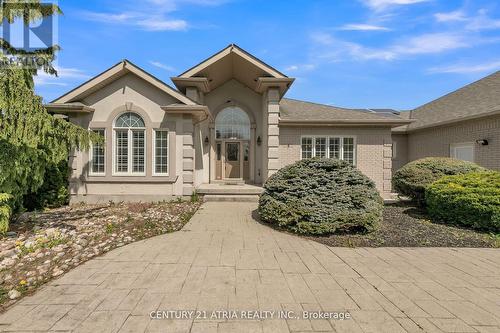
(482, 142)
(259, 141)
(206, 141)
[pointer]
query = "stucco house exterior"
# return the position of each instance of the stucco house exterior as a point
(227, 121)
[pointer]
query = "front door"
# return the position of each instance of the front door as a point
(232, 160)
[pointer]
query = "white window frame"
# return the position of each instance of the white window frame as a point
(312, 145)
(327, 137)
(158, 174)
(454, 146)
(91, 154)
(130, 150)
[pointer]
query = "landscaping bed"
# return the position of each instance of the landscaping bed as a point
(405, 225)
(42, 246)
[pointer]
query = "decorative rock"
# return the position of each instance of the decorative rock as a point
(8, 253)
(13, 294)
(51, 232)
(11, 234)
(29, 243)
(57, 272)
(8, 262)
(24, 217)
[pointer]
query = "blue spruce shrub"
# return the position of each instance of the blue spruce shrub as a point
(321, 196)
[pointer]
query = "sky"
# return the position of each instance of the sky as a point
(351, 53)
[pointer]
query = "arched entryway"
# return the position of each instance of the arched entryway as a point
(232, 144)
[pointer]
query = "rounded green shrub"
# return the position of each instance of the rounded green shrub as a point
(413, 178)
(471, 200)
(321, 196)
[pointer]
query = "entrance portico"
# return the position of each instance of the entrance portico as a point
(240, 141)
(233, 135)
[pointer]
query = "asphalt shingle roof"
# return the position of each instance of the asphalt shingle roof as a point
(291, 109)
(476, 99)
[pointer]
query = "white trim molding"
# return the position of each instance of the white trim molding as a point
(130, 144)
(91, 154)
(153, 162)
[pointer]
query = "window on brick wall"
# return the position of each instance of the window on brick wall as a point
(462, 151)
(342, 148)
(307, 147)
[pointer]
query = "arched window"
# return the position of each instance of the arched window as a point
(232, 123)
(129, 119)
(130, 144)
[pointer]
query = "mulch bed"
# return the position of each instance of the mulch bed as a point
(49, 243)
(405, 225)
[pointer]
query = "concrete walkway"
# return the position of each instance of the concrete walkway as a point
(224, 259)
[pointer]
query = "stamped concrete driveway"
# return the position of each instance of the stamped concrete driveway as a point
(224, 259)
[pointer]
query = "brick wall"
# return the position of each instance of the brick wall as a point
(373, 151)
(401, 158)
(436, 141)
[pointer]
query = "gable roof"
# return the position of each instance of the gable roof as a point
(232, 62)
(297, 112)
(478, 99)
(232, 49)
(115, 72)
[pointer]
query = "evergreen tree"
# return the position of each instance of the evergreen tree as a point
(31, 140)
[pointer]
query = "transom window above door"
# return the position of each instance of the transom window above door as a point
(129, 145)
(232, 123)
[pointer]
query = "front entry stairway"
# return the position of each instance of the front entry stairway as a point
(228, 191)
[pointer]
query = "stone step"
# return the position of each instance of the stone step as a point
(229, 190)
(231, 198)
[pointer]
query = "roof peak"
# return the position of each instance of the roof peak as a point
(234, 49)
(114, 72)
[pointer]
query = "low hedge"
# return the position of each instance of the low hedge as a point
(413, 178)
(5, 212)
(471, 200)
(321, 196)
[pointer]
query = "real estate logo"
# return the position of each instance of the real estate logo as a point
(28, 32)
